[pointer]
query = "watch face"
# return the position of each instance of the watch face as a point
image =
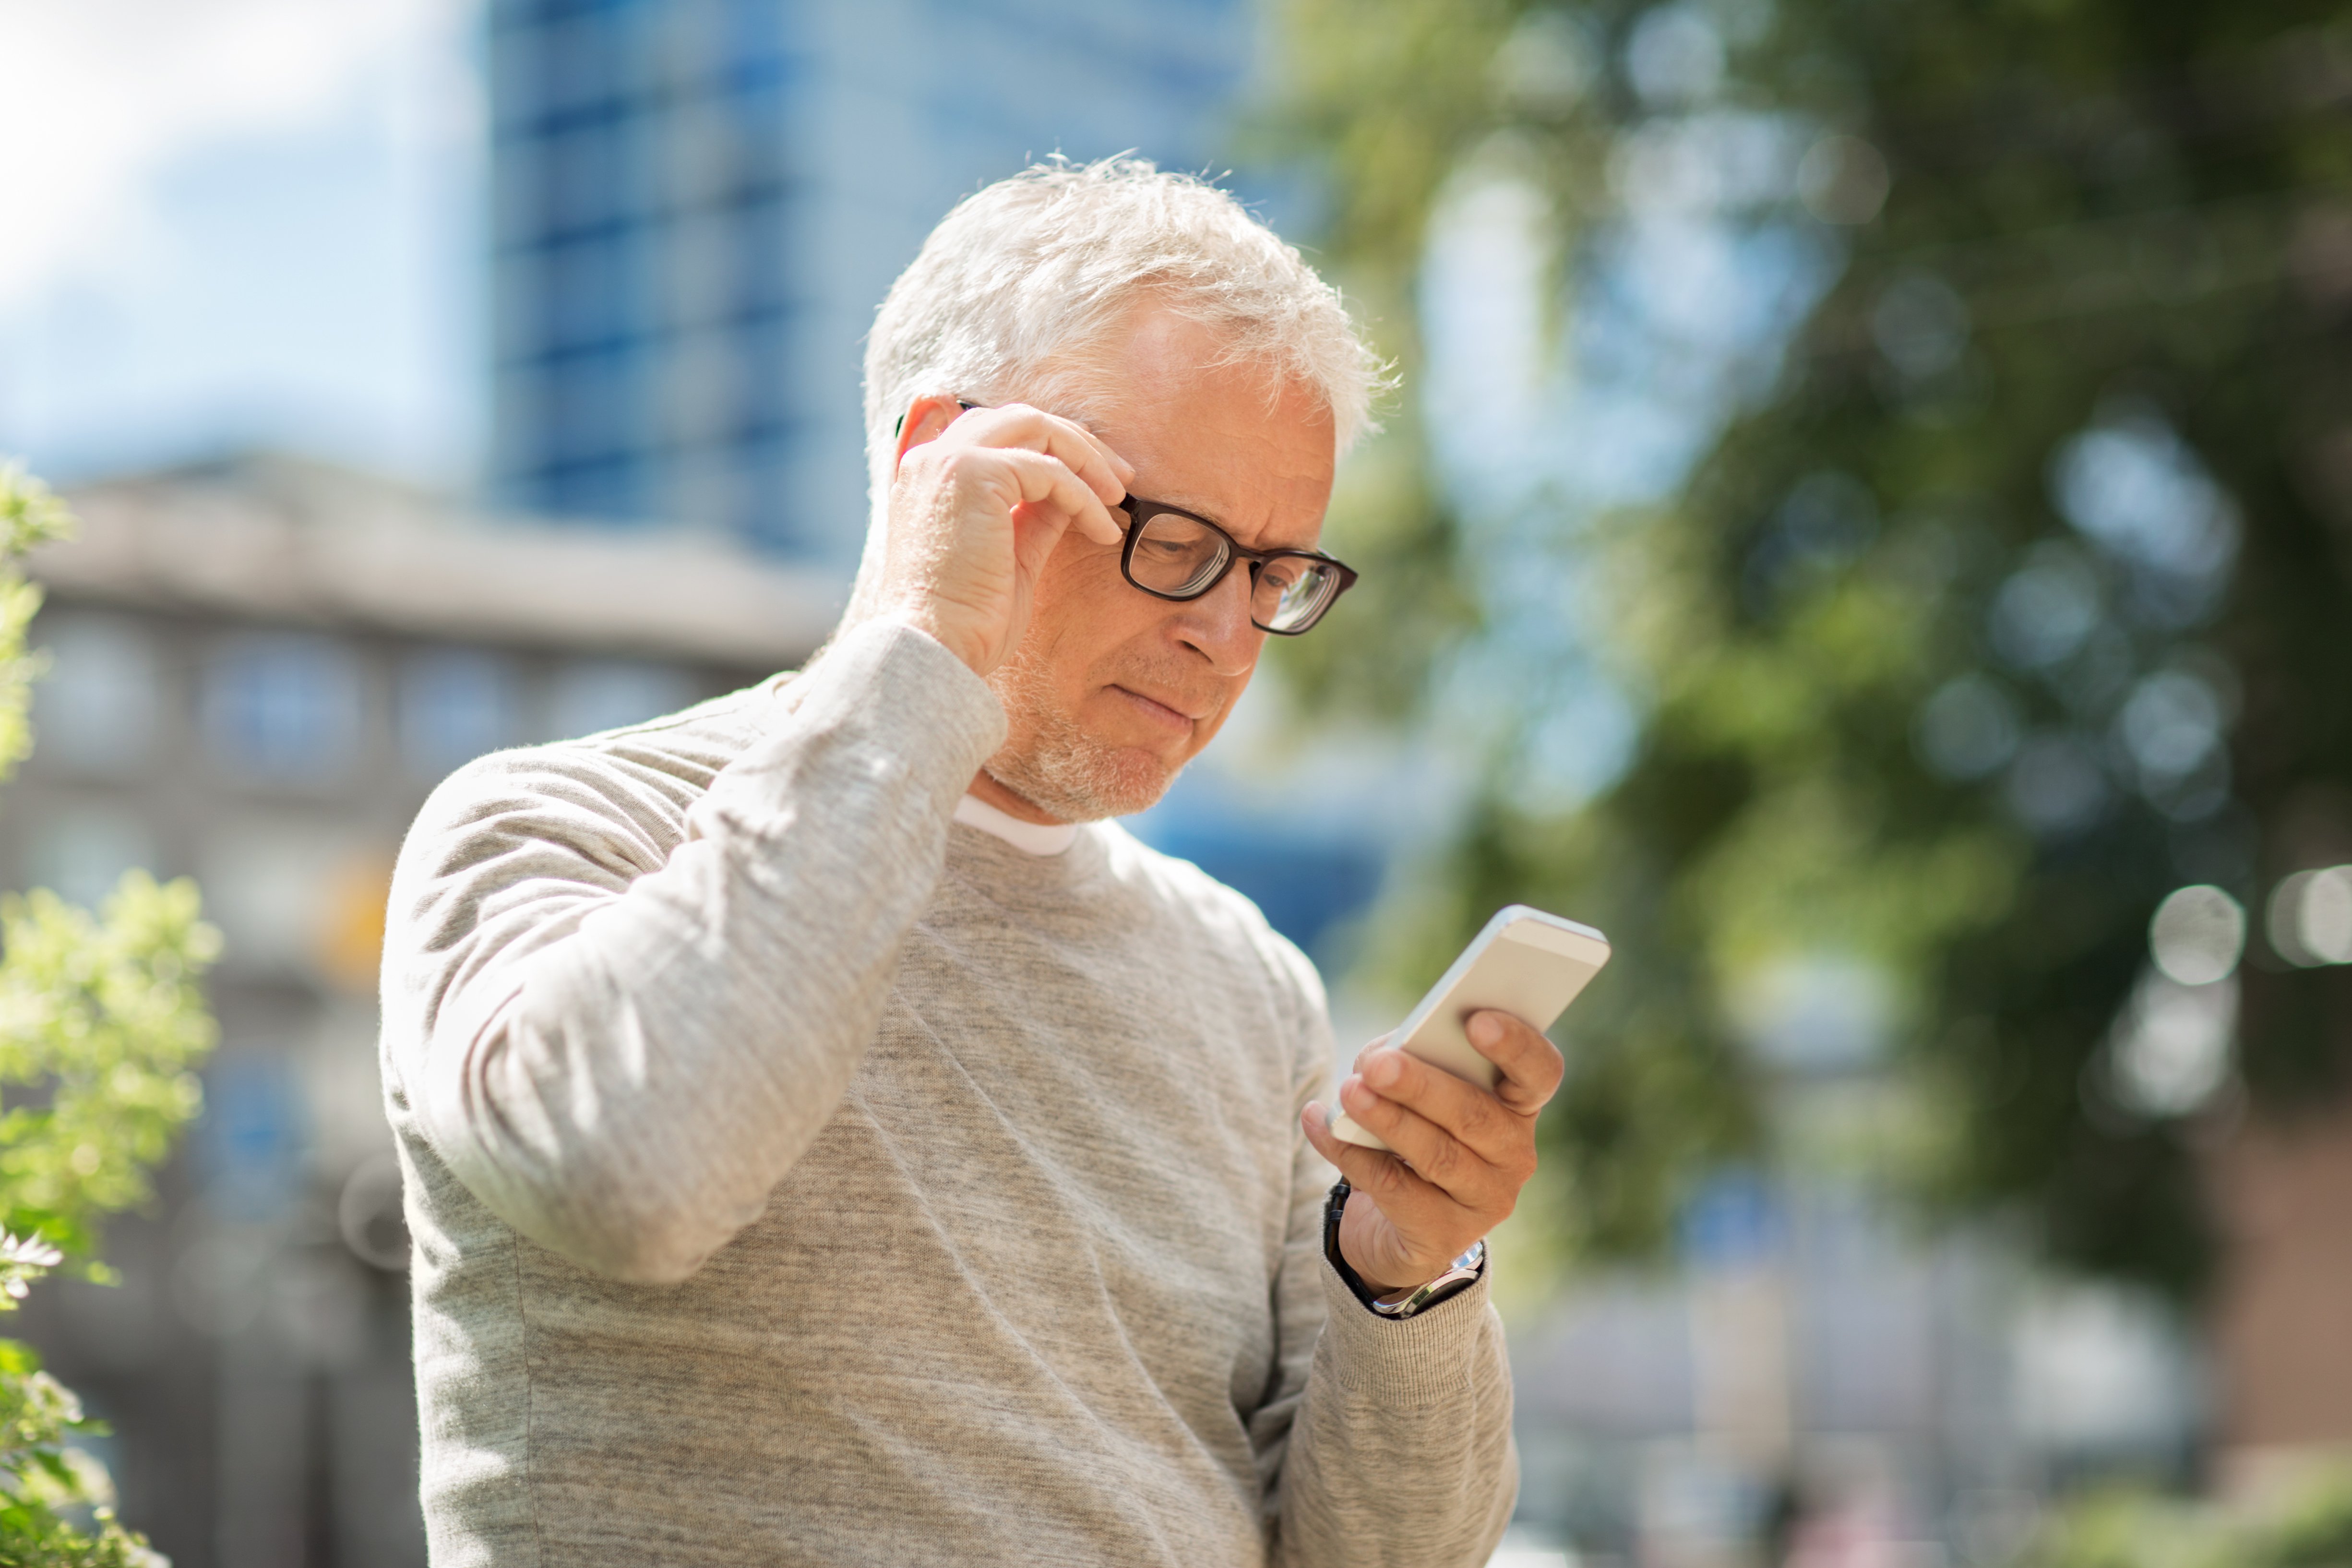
(1447, 1285)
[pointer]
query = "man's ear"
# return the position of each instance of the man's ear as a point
(925, 417)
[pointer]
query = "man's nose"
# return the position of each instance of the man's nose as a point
(1217, 623)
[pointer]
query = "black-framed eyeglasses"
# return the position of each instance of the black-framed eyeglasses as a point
(1171, 553)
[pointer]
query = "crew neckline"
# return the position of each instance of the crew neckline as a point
(1032, 837)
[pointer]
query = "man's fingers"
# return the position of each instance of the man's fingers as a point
(1478, 1119)
(1531, 1065)
(1047, 481)
(1076, 448)
(1363, 1167)
(1122, 472)
(1401, 1193)
(1087, 455)
(1435, 1154)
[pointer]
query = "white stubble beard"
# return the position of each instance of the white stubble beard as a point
(1054, 765)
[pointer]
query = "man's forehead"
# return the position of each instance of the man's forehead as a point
(1231, 438)
(1262, 520)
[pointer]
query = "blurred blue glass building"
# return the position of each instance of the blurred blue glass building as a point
(698, 204)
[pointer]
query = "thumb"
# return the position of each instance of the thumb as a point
(1037, 530)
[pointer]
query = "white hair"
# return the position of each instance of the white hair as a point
(1019, 285)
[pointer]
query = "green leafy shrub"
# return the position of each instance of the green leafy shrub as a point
(101, 1024)
(2310, 1527)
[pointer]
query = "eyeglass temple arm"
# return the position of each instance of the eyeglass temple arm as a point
(898, 427)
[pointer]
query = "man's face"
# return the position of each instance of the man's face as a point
(1111, 691)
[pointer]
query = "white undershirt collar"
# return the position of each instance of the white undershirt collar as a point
(1034, 837)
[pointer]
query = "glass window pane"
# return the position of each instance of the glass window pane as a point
(284, 707)
(95, 711)
(606, 694)
(455, 705)
(80, 852)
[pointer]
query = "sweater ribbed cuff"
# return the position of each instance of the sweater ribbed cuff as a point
(1420, 1360)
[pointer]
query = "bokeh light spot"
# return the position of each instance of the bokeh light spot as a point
(1843, 180)
(2310, 917)
(2197, 935)
(1968, 728)
(2046, 610)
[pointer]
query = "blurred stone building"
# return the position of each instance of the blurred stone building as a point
(260, 667)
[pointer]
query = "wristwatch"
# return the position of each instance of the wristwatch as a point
(1457, 1278)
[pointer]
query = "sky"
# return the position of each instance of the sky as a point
(238, 223)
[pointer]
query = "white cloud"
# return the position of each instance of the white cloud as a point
(98, 97)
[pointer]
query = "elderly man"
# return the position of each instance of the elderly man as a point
(829, 1140)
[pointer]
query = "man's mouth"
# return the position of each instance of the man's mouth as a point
(1170, 711)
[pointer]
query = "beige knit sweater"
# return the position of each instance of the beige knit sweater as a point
(797, 1178)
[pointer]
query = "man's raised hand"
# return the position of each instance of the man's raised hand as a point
(978, 500)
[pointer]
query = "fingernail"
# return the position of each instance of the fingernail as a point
(1486, 1029)
(1382, 1071)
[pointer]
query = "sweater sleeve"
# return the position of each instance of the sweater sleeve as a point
(620, 1040)
(1386, 1441)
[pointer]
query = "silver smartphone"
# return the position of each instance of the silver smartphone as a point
(1525, 962)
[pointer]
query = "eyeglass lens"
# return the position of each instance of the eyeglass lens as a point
(1181, 557)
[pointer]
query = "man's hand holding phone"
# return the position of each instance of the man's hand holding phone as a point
(1462, 1154)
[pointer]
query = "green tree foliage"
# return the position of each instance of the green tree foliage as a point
(101, 1024)
(2310, 1527)
(2006, 594)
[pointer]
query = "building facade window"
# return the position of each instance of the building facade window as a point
(82, 851)
(605, 694)
(455, 705)
(284, 708)
(95, 712)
